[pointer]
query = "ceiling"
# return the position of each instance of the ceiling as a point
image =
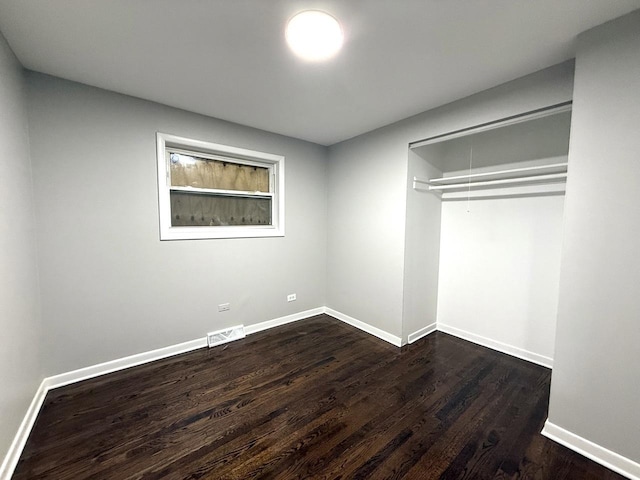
(228, 58)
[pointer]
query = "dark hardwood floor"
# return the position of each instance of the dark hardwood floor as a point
(313, 399)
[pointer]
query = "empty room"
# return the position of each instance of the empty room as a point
(278, 239)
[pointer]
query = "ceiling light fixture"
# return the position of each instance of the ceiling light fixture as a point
(314, 35)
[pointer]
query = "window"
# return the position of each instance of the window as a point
(208, 190)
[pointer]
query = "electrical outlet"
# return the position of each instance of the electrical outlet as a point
(291, 298)
(224, 307)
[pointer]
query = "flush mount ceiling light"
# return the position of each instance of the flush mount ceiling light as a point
(314, 35)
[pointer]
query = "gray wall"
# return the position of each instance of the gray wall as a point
(20, 357)
(366, 221)
(543, 138)
(368, 178)
(110, 287)
(421, 248)
(595, 384)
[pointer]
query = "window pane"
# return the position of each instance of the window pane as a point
(192, 171)
(192, 209)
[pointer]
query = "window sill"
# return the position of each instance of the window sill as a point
(206, 233)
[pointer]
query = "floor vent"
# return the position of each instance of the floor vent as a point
(225, 336)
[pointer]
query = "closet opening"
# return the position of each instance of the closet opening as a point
(484, 233)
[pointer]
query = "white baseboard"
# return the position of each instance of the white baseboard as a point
(499, 346)
(15, 450)
(592, 451)
(49, 383)
(111, 366)
(276, 322)
(74, 376)
(17, 445)
(423, 332)
(365, 327)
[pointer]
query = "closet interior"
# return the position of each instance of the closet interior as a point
(484, 233)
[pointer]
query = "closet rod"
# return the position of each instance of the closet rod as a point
(533, 178)
(504, 192)
(500, 172)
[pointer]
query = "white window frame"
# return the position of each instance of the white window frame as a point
(275, 164)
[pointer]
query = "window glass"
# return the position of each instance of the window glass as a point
(188, 170)
(194, 209)
(208, 190)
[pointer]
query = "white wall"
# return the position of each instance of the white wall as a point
(595, 386)
(110, 287)
(499, 271)
(500, 257)
(20, 357)
(367, 206)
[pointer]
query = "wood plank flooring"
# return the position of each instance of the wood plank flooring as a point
(316, 399)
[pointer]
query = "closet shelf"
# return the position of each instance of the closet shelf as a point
(539, 174)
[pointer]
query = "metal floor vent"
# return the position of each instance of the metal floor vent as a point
(225, 336)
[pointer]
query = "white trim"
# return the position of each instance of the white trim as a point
(276, 322)
(12, 457)
(612, 460)
(19, 441)
(502, 181)
(239, 231)
(49, 383)
(365, 327)
(498, 173)
(227, 193)
(499, 346)
(86, 373)
(15, 450)
(507, 191)
(423, 332)
(276, 165)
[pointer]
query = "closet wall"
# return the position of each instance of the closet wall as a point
(499, 273)
(500, 245)
(595, 386)
(372, 220)
(422, 247)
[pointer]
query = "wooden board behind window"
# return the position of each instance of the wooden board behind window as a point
(204, 173)
(189, 209)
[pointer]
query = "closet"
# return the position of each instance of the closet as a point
(484, 233)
